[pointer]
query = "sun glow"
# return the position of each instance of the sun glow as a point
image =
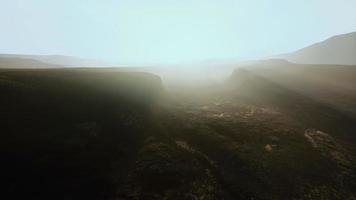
(169, 31)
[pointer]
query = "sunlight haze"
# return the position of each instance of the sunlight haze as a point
(161, 31)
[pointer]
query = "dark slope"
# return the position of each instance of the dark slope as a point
(71, 134)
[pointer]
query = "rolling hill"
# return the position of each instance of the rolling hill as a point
(24, 63)
(67, 61)
(333, 85)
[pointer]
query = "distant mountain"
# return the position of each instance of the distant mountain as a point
(23, 63)
(340, 49)
(68, 61)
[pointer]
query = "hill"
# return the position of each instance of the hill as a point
(257, 88)
(71, 133)
(104, 133)
(68, 61)
(340, 49)
(24, 63)
(333, 85)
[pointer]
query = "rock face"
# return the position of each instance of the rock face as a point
(268, 148)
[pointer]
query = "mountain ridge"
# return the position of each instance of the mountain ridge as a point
(62, 60)
(338, 49)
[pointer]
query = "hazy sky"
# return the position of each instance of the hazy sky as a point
(169, 31)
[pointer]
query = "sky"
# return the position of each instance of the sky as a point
(170, 31)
